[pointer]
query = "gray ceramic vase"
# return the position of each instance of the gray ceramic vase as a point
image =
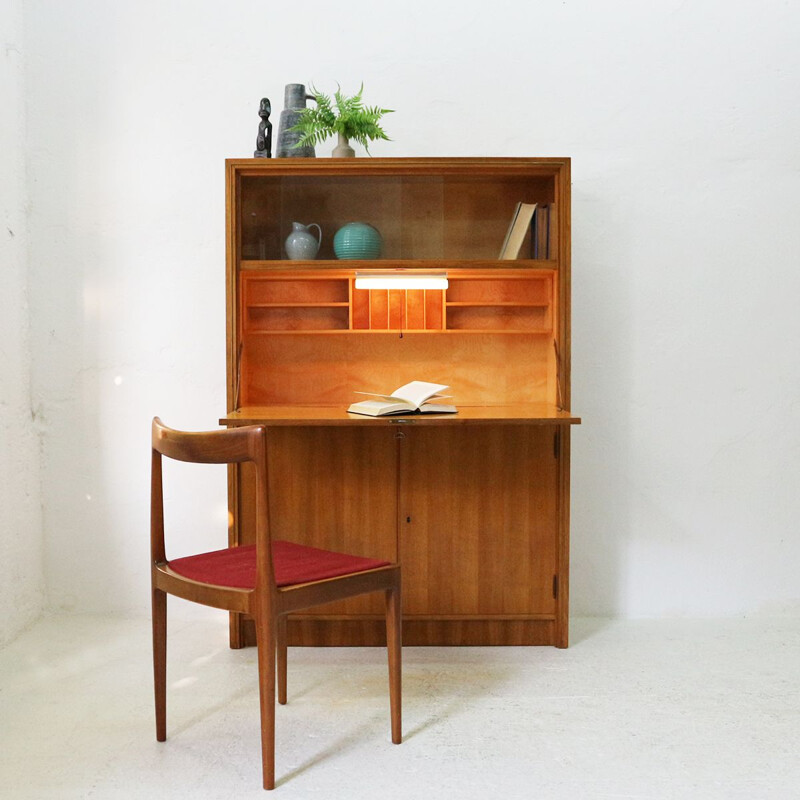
(294, 98)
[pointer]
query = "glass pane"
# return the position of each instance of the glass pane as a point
(418, 217)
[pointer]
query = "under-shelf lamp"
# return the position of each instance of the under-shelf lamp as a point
(398, 279)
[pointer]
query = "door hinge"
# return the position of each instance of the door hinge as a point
(556, 443)
(555, 587)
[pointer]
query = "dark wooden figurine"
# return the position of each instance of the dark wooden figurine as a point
(264, 138)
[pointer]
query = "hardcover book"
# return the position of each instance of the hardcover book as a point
(517, 230)
(417, 396)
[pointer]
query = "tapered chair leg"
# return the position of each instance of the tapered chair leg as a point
(265, 636)
(394, 645)
(281, 633)
(160, 661)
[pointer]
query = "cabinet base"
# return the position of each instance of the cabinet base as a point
(342, 632)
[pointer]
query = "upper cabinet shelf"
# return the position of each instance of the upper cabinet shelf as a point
(445, 216)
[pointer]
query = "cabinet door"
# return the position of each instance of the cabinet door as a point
(334, 488)
(478, 521)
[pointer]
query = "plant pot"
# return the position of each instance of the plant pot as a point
(343, 149)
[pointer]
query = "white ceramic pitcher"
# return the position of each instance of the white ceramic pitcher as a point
(301, 244)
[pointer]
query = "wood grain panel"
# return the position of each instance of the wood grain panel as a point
(328, 632)
(309, 318)
(360, 308)
(378, 309)
(478, 521)
(334, 489)
(259, 218)
(502, 318)
(434, 310)
(415, 309)
(326, 369)
(397, 309)
(422, 229)
(257, 288)
(494, 290)
(477, 213)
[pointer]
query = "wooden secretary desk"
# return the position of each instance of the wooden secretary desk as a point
(475, 506)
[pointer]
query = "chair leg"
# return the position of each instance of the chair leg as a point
(394, 645)
(160, 661)
(281, 633)
(265, 637)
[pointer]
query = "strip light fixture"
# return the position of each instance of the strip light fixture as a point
(398, 279)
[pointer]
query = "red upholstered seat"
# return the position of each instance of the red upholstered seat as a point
(293, 563)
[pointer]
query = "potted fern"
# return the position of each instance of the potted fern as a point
(347, 117)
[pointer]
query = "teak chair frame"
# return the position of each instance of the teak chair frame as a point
(266, 603)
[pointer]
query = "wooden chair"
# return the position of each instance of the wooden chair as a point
(266, 580)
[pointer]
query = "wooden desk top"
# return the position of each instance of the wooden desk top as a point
(519, 414)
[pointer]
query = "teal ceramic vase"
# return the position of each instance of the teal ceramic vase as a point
(357, 240)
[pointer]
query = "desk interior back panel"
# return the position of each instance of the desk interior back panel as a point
(310, 369)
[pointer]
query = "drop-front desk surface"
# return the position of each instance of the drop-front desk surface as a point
(474, 506)
(295, 415)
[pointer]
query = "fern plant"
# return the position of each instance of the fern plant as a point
(343, 115)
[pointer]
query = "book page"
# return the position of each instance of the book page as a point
(417, 392)
(386, 397)
(377, 408)
(395, 399)
(437, 408)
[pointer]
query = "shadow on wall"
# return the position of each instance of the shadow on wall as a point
(602, 332)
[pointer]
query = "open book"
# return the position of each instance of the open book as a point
(414, 396)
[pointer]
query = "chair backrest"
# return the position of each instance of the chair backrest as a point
(229, 446)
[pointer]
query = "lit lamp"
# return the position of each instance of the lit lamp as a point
(401, 280)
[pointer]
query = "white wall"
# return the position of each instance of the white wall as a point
(21, 587)
(681, 119)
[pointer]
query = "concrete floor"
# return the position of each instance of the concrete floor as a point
(646, 709)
